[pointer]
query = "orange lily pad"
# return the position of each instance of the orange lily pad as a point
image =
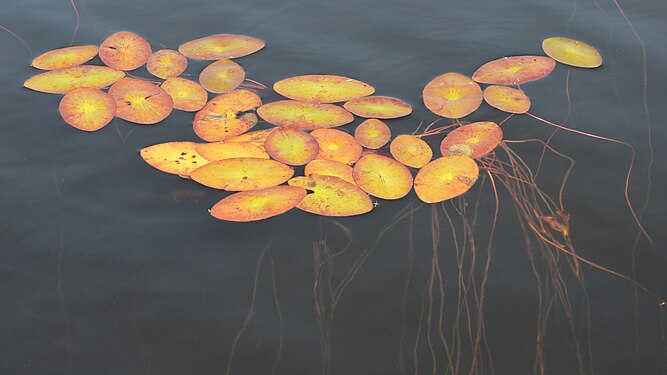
(223, 150)
(381, 107)
(63, 80)
(187, 95)
(125, 51)
(227, 116)
(64, 57)
(291, 146)
(572, 52)
(514, 70)
(372, 134)
(337, 145)
(411, 151)
(324, 167)
(222, 76)
(332, 196)
(223, 46)
(482, 137)
(318, 88)
(87, 108)
(257, 137)
(166, 63)
(382, 177)
(507, 99)
(258, 204)
(141, 102)
(179, 158)
(242, 174)
(445, 178)
(305, 116)
(452, 95)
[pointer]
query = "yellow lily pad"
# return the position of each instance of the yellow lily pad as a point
(318, 88)
(452, 95)
(332, 196)
(482, 137)
(242, 174)
(223, 46)
(445, 178)
(141, 102)
(572, 52)
(166, 63)
(507, 99)
(187, 95)
(337, 145)
(64, 57)
(411, 151)
(514, 70)
(222, 76)
(125, 51)
(87, 108)
(63, 80)
(304, 116)
(223, 150)
(291, 146)
(178, 158)
(258, 204)
(381, 107)
(382, 177)
(324, 167)
(227, 115)
(372, 134)
(257, 137)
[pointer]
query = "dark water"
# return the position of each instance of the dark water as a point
(111, 267)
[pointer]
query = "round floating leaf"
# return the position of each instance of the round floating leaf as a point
(318, 88)
(87, 108)
(223, 150)
(125, 51)
(337, 145)
(224, 46)
(330, 168)
(179, 158)
(141, 102)
(332, 196)
(305, 116)
(372, 134)
(514, 70)
(63, 80)
(257, 137)
(227, 116)
(507, 99)
(572, 52)
(187, 95)
(166, 63)
(64, 57)
(258, 204)
(452, 95)
(222, 76)
(382, 177)
(482, 137)
(291, 146)
(381, 107)
(241, 174)
(411, 151)
(445, 178)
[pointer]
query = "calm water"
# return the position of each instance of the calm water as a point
(111, 267)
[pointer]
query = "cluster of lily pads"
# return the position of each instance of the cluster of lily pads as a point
(341, 170)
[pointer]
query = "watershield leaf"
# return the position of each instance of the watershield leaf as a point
(452, 95)
(223, 46)
(304, 116)
(291, 146)
(337, 145)
(87, 109)
(141, 102)
(187, 95)
(332, 196)
(223, 150)
(222, 76)
(63, 80)
(317, 88)
(411, 151)
(507, 99)
(572, 52)
(382, 177)
(179, 158)
(258, 204)
(166, 63)
(324, 167)
(482, 137)
(381, 107)
(64, 57)
(445, 178)
(372, 134)
(242, 174)
(226, 116)
(514, 70)
(125, 51)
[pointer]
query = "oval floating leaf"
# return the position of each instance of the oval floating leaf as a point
(305, 116)
(179, 158)
(452, 95)
(223, 46)
(332, 196)
(572, 52)
(258, 204)
(382, 177)
(507, 99)
(242, 174)
(166, 63)
(445, 178)
(223, 150)
(411, 151)
(187, 95)
(141, 102)
(324, 167)
(125, 51)
(222, 76)
(63, 80)
(381, 107)
(337, 145)
(291, 146)
(514, 70)
(372, 134)
(227, 116)
(87, 108)
(257, 137)
(481, 136)
(64, 57)
(318, 88)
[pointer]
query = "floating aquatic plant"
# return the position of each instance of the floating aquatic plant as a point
(319, 88)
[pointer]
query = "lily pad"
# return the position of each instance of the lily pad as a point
(507, 99)
(381, 107)
(332, 196)
(572, 52)
(324, 167)
(64, 57)
(187, 95)
(166, 63)
(482, 137)
(318, 88)
(514, 70)
(411, 151)
(242, 174)
(125, 51)
(337, 145)
(372, 134)
(63, 80)
(304, 116)
(452, 95)
(445, 178)
(291, 146)
(223, 46)
(257, 137)
(227, 115)
(223, 150)
(382, 177)
(87, 108)
(178, 158)
(141, 102)
(222, 76)
(258, 204)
